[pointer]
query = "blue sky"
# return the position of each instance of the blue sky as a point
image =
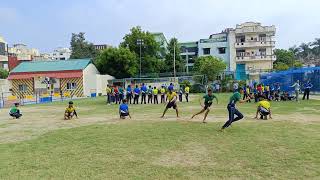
(48, 24)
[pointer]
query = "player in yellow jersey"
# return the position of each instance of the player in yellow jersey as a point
(186, 91)
(264, 109)
(172, 98)
(70, 112)
(163, 94)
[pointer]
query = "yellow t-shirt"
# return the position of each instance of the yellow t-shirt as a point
(155, 91)
(171, 96)
(187, 89)
(248, 90)
(163, 90)
(265, 104)
(108, 90)
(267, 88)
(262, 88)
(70, 109)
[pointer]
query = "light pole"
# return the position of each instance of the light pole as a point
(140, 43)
(187, 60)
(174, 59)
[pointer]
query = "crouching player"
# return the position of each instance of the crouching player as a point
(15, 112)
(208, 98)
(124, 110)
(172, 98)
(264, 109)
(70, 112)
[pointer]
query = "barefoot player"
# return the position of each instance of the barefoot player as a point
(208, 98)
(172, 98)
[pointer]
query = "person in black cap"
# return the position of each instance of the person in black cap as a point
(15, 112)
(70, 112)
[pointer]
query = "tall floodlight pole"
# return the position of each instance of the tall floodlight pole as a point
(140, 43)
(174, 59)
(187, 60)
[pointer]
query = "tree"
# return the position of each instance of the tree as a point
(285, 56)
(118, 62)
(297, 64)
(210, 66)
(81, 48)
(149, 49)
(280, 66)
(3, 73)
(173, 46)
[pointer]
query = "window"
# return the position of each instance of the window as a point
(23, 87)
(71, 86)
(61, 54)
(206, 51)
(222, 50)
(63, 58)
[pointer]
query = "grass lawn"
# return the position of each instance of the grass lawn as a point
(100, 146)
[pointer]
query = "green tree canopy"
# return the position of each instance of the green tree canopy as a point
(118, 62)
(3, 73)
(280, 66)
(210, 66)
(285, 56)
(150, 49)
(81, 48)
(174, 46)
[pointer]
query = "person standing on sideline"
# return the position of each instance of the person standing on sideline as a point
(143, 93)
(116, 93)
(186, 91)
(108, 90)
(235, 87)
(307, 87)
(233, 110)
(136, 95)
(163, 94)
(217, 87)
(155, 95)
(120, 94)
(129, 94)
(149, 92)
(180, 94)
(296, 87)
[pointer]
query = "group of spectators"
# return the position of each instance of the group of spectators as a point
(142, 94)
(274, 92)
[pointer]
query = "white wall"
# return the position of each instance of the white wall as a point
(4, 87)
(102, 82)
(90, 80)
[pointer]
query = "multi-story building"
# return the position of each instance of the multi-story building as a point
(22, 52)
(161, 39)
(101, 47)
(247, 49)
(60, 54)
(189, 52)
(251, 48)
(3, 54)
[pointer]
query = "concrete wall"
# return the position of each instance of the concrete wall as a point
(102, 82)
(90, 80)
(5, 87)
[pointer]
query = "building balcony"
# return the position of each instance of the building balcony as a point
(187, 53)
(256, 58)
(254, 44)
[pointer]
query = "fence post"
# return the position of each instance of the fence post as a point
(2, 99)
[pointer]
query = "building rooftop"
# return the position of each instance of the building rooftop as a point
(45, 66)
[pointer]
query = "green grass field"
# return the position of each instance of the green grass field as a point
(100, 146)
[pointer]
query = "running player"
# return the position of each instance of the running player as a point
(208, 98)
(233, 110)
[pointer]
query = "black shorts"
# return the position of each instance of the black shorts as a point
(263, 111)
(172, 105)
(70, 114)
(122, 114)
(207, 105)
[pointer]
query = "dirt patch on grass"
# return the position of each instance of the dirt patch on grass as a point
(190, 155)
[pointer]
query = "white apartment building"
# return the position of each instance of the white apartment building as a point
(3, 54)
(23, 53)
(251, 49)
(60, 54)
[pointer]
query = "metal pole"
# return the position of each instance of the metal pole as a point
(187, 58)
(140, 42)
(174, 58)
